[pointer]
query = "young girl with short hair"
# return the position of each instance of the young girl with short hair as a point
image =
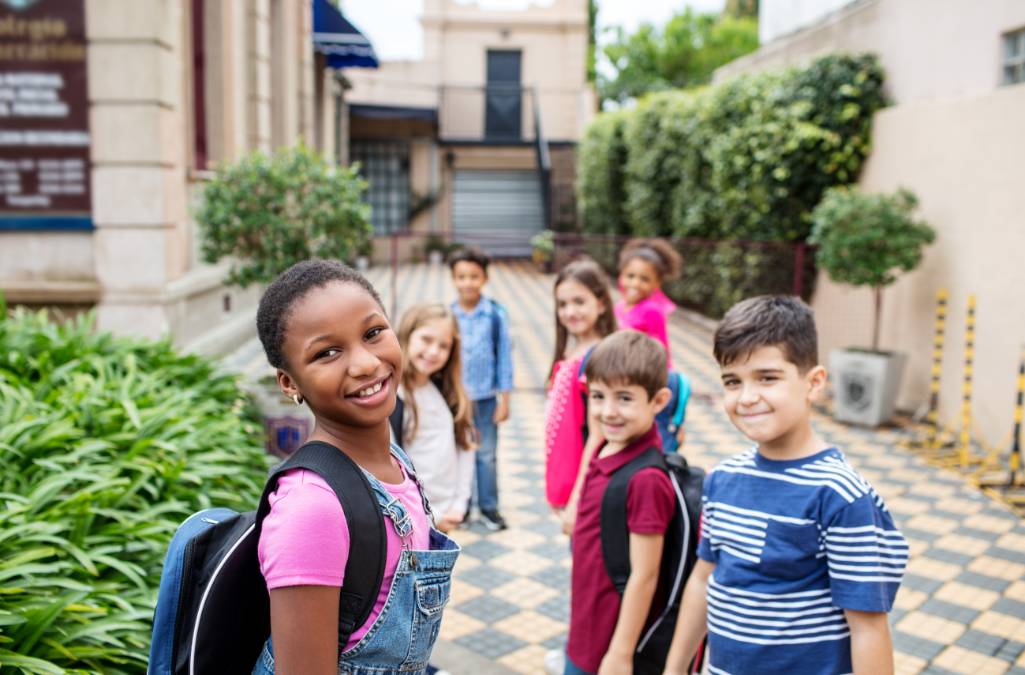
(437, 426)
(325, 330)
(644, 265)
(583, 316)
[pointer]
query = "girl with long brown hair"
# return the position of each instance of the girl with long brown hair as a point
(436, 427)
(583, 316)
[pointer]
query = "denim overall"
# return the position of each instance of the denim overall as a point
(401, 638)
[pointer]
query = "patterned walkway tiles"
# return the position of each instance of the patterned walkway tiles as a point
(961, 608)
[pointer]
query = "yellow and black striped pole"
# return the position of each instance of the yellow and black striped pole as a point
(1019, 403)
(932, 418)
(966, 389)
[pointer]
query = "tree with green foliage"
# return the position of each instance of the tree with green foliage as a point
(684, 53)
(741, 8)
(868, 240)
(266, 213)
(592, 40)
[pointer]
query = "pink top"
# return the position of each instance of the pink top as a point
(305, 540)
(564, 439)
(649, 317)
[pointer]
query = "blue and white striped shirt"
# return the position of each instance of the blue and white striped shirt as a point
(487, 367)
(794, 543)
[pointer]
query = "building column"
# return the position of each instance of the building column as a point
(258, 29)
(139, 133)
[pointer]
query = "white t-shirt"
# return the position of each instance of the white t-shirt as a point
(445, 471)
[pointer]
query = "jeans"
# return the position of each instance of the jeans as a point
(487, 467)
(401, 638)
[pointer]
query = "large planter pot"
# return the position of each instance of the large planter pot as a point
(286, 424)
(435, 257)
(865, 385)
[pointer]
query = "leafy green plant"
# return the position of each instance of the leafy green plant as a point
(652, 166)
(543, 245)
(745, 159)
(269, 212)
(106, 445)
(868, 240)
(601, 161)
(435, 242)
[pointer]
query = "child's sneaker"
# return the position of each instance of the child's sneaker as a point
(555, 661)
(493, 520)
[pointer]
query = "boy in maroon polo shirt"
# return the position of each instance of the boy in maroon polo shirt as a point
(626, 376)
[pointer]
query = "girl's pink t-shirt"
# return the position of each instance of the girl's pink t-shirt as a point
(305, 539)
(649, 317)
(565, 413)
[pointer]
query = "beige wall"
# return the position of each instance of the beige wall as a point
(140, 264)
(931, 49)
(456, 39)
(963, 159)
(956, 139)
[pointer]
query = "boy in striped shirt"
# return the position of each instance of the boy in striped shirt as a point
(799, 559)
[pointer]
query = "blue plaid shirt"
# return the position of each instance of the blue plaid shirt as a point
(484, 375)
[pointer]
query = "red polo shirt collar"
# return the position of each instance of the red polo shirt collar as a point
(609, 465)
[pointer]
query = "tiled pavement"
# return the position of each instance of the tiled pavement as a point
(961, 608)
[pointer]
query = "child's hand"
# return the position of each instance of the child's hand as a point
(501, 409)
(449, 521)
(616, 664)
(569, 519)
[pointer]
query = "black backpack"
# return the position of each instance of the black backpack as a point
(679, 553)
(213, 610)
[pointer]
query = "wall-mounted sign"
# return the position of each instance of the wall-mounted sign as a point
(44, 116)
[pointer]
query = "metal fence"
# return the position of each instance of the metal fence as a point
(716, 273)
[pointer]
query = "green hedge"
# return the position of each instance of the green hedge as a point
(745, 159)
(602, 158)
(106, 445)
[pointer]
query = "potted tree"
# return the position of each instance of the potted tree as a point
(543, 250)
(435, 249)
(867, 240)
(265, 213)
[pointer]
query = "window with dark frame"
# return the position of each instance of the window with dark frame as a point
(1014, 57)
(198, 87)
(385, 166)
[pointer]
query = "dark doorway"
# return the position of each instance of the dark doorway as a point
(503, 108)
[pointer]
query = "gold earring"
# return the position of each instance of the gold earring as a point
(298, 398)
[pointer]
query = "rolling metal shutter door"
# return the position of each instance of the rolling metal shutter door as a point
(497, 210)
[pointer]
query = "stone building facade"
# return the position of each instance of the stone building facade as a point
(483, 127)
(174, 87)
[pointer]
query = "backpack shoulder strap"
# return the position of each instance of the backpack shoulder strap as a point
(364, 571)
(682, 396)
(496, 327)
(615, 533)
(584, 431)
(583, 362)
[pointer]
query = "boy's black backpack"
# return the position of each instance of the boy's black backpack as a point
(679, 553)
(213, 610)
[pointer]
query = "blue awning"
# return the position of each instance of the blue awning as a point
(339, 40)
